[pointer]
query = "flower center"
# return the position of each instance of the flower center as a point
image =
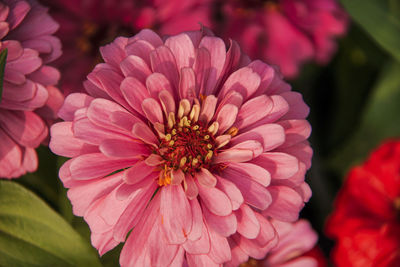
(187, 146)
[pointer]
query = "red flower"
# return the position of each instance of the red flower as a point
(366, 219)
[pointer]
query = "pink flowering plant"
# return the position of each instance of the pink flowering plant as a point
(175, 138)
(190, 144)
(29, 98)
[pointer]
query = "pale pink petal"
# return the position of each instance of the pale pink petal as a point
(226, 117)
(222, 225)
(253, 193)
(72, 103)
(144, 133)
(248, 225)
(163, 61)
(286, 204)
(269, 135)
(297, 108)
(201, 245)
(183, 50)
(296, 131)
(244, 81)
(208, 109)
(220, 251)
(176, 214)
(140, 48)
(216, 49)
(231, 191)
(279, 165)
(123, 149)
(302, 151)
(215, 200)
(134, 66)
(134, 93)
(94, 165)
(156, 83)
(187, 84)
(206, 178)
(64, 143)
(138, 172)
(201, 67)
(191, 189)
(197, 221)
(248, 171)
(152, 110)
(114, 52)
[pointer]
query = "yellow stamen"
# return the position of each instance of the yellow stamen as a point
(182, 162)
(233, 131)
(168, 137)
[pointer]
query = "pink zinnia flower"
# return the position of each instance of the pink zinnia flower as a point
(189, 144)
(29, 98)
(285, 32)
(87, 25)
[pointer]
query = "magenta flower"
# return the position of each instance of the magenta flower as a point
(86, 25)
(286, 32)
(188, 145)
(29, 98)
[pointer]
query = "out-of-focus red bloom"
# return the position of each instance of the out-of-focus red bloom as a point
(366, 218)
(87, 25)
(285, 32)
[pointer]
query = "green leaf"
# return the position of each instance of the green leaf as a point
(381, 120)
(380, 20)
(32, 234)
(3, 60)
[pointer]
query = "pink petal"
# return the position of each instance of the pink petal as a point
(279, 165)
(231, 191)
(152, 110)
(296, 131)
(167, 102)
(176, 214)
(64, 143)
(156, 83)
(248, 225)
(30, 160)
(197, 220)
(27, 63)
(140, 48)
(144, 133)
(84, 194)
(298, 109)
(302, 151)
(244, 81)
(149, 36)
(182, 48)
(187, 84)
(266, 74)
(248, 171)
(222, 225)
(134, 93)
(215, 200)
(286, 204)
(123, 149)
(201, 245)
(140, 198)
(201, 68)
(177, 176)
(208, 109)
(103, 242)
(134, 66)
(72, 103)
(206, 178)
(138, 172)
(114, 52)
(163, 61)
(45, 75)
(191, 189)
(253, 110)
(144, 246)
(201, 260)
(220, 251)
(269, 135)
(253, 193)
(217, 51)
(226, 117)
(26, 128)
(10, 156)
(89, 166)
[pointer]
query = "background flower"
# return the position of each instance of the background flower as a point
(189, 143)
(365, 221)
(285, 32)
(87, 25)
(29, 98)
